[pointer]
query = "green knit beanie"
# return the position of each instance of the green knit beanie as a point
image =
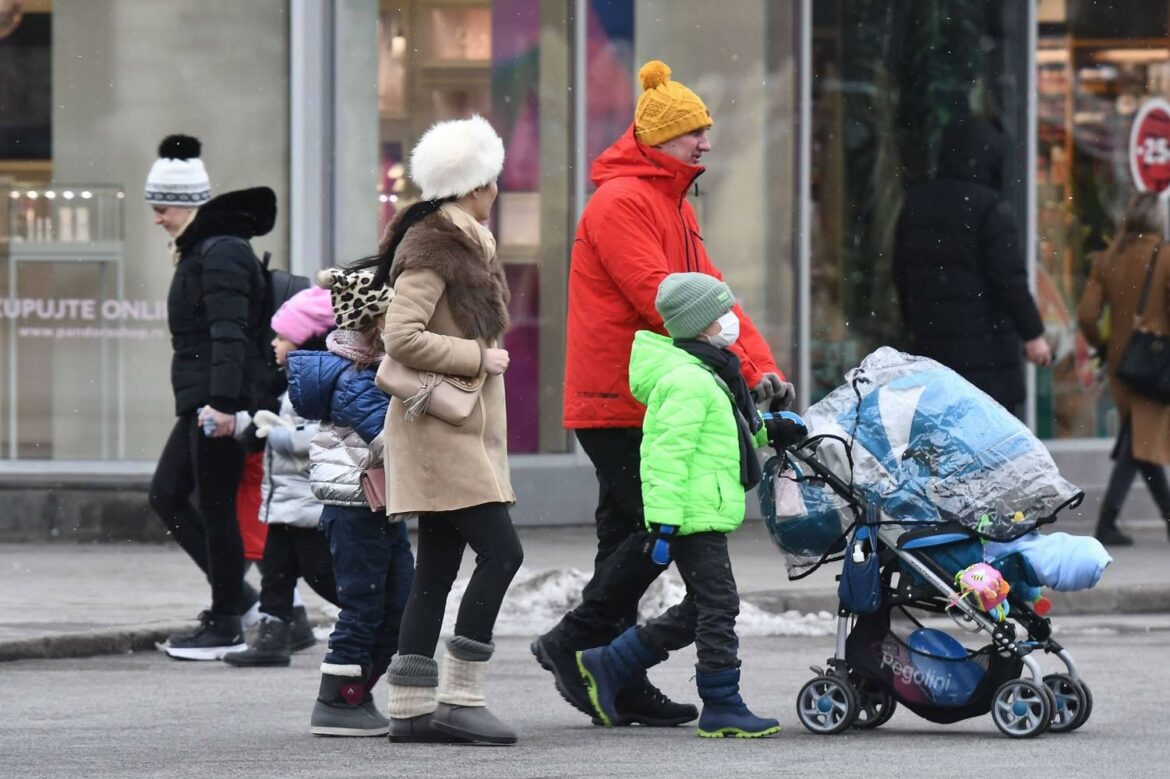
(688, 302)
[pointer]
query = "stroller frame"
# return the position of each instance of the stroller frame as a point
(838, 698)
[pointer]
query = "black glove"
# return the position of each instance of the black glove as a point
(658, 546)
(784, 429)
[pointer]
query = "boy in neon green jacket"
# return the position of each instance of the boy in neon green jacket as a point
(697, 463)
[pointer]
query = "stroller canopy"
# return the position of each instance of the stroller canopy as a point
(931, 447)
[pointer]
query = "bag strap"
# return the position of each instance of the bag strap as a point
(1146, 284)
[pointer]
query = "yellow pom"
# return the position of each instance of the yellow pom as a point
(654, 73)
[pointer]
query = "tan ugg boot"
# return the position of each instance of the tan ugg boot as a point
(461, 709)
(413, 681)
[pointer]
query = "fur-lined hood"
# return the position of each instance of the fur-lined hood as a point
(244, 213)
(477, 291)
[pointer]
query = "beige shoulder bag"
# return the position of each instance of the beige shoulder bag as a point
(449, 398)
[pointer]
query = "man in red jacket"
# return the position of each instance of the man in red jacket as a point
(635, 231)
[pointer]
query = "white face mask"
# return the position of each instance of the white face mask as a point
(728, 331)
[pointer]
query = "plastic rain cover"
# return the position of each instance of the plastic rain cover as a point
(929, 447)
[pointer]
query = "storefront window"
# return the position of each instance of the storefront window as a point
(87, 91)
(740, 59)
(888, 76)
(1096, 63)
(448, 59)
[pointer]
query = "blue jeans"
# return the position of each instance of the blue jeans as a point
(374, 569)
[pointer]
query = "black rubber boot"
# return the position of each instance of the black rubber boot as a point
(300, 635)
(270, 650)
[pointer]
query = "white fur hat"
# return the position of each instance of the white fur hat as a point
(453, 158)
(177, 177)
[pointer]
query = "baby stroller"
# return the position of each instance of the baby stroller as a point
(910, 478)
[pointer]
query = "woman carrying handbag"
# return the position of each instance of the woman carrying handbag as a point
(446, 319)
(1137, 259)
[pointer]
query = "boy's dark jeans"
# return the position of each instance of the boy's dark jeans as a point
(707, 614)
(292, 553)
(374, 569)
(622, 569)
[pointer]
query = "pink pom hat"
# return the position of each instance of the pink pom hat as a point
(307, 314)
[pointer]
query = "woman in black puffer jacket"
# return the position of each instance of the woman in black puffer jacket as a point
(214, 308)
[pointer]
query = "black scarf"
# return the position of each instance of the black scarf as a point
(726, 367)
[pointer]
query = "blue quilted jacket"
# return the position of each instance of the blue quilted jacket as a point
(327, 387)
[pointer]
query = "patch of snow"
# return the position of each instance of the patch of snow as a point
(538, 599)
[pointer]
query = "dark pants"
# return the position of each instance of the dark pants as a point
(374, 570)
(292, 553)
(707, 614)
(442, 537)
(1125, 468)
(622, 570)
(210, 469)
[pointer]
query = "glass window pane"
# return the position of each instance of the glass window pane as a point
(1095, 65)
(86, 369)
(448, 60)
(887, 79)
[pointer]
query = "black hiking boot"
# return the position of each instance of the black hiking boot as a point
(562, 664)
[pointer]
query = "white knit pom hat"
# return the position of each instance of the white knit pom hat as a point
(177, 177)
(453, 158)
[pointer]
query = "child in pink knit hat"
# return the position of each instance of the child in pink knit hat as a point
(296, 548)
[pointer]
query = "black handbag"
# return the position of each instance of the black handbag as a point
(1145, 364)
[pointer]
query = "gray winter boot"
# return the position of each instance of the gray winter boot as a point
(413, 679)
(461, 707)
(339, 711)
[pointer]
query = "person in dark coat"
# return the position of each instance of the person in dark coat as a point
(214, 307)
(960, 269)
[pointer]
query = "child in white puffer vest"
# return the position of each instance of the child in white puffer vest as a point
(295, 548)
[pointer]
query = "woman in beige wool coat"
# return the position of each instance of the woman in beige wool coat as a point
(448, 315)
(1116, 282)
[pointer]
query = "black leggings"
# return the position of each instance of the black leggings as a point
(209, 468)
(442, 536)
(1126, 468)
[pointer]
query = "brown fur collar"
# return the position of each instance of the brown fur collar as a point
(477, 292)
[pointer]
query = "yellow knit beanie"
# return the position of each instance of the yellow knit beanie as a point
(666, 108)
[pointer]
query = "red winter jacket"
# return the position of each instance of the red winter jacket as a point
(636, 230)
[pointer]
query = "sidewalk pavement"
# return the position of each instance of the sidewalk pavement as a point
(60, 600)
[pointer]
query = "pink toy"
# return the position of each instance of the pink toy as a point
(985, 588)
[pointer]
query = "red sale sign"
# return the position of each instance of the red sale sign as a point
(1149, 146)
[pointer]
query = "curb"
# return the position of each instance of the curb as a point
(1131, 599)
(106, 641)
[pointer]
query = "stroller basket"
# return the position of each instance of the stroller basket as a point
(936, 682)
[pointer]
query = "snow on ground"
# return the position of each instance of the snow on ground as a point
(538, 599)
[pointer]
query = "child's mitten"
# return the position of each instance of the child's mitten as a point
(659, 544)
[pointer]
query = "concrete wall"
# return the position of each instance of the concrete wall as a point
(125, 74)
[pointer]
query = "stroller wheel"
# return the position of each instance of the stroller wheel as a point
(1073, 702)
(875, 705)
(1021, 708)
(827, 705)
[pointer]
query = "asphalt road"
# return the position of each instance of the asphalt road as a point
(146, 715)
